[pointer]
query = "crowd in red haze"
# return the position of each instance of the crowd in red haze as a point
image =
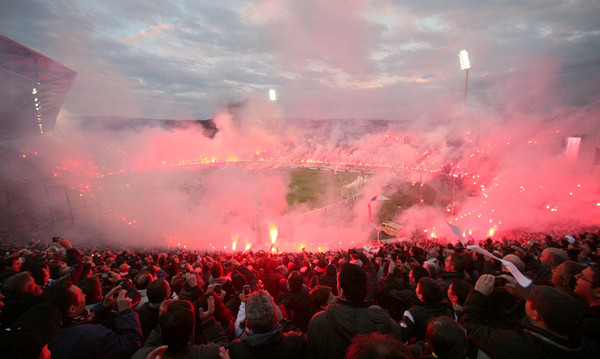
(402, 300)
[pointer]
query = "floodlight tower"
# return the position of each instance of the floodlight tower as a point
(465, 65)
(272, 95)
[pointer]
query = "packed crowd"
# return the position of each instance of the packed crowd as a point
(400, 300)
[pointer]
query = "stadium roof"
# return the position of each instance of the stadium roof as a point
(33, 88)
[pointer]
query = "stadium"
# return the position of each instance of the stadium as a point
(240, 181)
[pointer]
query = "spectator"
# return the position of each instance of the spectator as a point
(158, 291)
(414, 322)
(588, 288)
(542, 268)
(92, 288)
(377, 346)
(28, 336)
(457, 294)
(21, 293)
(141, 282)
(327, 278)
(265, 337)
(10, 267)
(446, 338)
(79, 337)
(331, 331)
(321, 296)
(41, 274)
(297, 301)
(454, 267)
(563, 276)
(221, 314)
(550, 335)
(176, 322)
(416, 273)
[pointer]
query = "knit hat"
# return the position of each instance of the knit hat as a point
(558, 310)
(26, 336)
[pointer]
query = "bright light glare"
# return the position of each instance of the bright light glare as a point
(463, 56)
(272, 95)
(273, 233)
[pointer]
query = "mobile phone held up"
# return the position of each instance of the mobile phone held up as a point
(217, 289)
(247, 290)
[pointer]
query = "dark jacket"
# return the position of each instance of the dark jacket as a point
(299, 307)
(148, 319)
(86, 340)
(214, 335)
(590, 324)
(541, 274)
(526, 342)
(272, 344)
(331, 331)
(414, 322)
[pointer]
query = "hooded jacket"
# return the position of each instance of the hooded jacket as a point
(272, 344)
(331, 331)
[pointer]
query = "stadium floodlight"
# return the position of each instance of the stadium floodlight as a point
(465, 65)
(272, 95)
(463, 57)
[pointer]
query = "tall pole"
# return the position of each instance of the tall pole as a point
(466, 85)
(453, 183)
(421, 189)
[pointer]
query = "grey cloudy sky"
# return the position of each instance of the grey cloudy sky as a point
(376, 59)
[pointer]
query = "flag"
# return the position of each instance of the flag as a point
(375, 198)
(458, 232)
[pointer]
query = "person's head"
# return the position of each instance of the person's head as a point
(321, 296)
(563, 276)
(446, 338)
(455, 263)
(68, 298)
(352, 283)
(553, 310)
(29, 335)
(12, 265)
(261, 314)
(429, 291)
(552, 257)
(216, 271)
(331, 270)
(21, 285)
(142, 280)
(158, 291)
(41, 274)
(458, 291)
(176, 321)
(377, 346)
(432, 268)
(92, 288)
(238, 281)
(417, 272)
(295, 281)
(588, 284)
